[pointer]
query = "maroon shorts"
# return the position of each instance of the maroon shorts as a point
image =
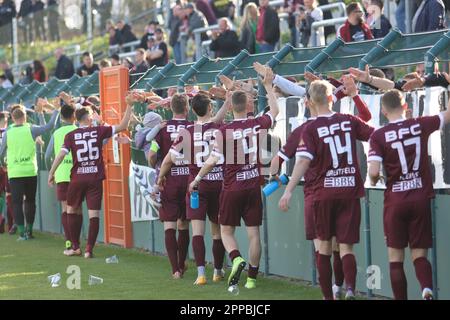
(61, 191)
(245, 204)
(408, 223)
(208, 205)
(92, 191)
(340, 218)
(309, 219)
(173, 203)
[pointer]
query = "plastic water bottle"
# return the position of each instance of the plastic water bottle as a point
(274, 185)
(234, 290)
(54, 280)
(112, 259)
(195, 201)
(93, 280)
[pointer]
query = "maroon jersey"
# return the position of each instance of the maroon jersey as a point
(165, 139)
(238, 144)
(289, 150)
(330, 143)
(86, 145)
(196, 143)
(402, 147)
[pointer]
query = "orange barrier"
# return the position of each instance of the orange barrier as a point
(114, 84)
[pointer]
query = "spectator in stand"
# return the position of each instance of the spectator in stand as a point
(104, 9)
(268, 28)
(204, 7)
(25, 21)
(126, 35)
(223, 8)
(115, 60)
(39, 73)
(292, 6)
(248, 28)
(105, 63)
(157, 54)
(7, 13)
(88, 67)
(429, 16)
(38, 17)
(64, 66)
(355, 29)
(149, 32)
(196, 20)
(5, 83)
(175, 24)
(244, 4)
(52, 19)
(127, 63)
(225, 42)
(308, 14)
(7, 71)
(140, 62)
(379, 24)
(114, 36)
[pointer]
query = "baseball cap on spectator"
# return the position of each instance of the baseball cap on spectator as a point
(151, 119)
(150, 37)
(159, 30)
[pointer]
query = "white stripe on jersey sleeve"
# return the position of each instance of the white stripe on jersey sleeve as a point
(283, 156)
(374, 158)
(304, 154)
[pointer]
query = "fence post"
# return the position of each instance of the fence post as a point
(265, 237)
(15, 41)
(432, 54)
(368, 244)
(434, 250)
(198, 45)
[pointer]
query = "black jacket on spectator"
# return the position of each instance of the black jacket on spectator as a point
(139, 68)
(38, 6)
(226, 45)
(174, 25)
(7, 12)
(161, 61)
(117, 39)
(64, 68)
(126, 36)
(431, 17)
(144, 39)
(26, 7)
(89, 71)
(248, 39)
(271, 26)
(381, 30)
(198, 20)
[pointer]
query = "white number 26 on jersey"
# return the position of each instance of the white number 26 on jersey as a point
(88, 151)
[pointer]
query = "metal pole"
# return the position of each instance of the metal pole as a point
(89, 22)
(152, 225)
(434, 249)
(198, 45)
(408, 21)
(266, 236)
(367, 232)
(15, 44)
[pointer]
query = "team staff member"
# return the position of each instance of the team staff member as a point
(19, 142)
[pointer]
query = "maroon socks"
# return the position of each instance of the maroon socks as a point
(172, 248)
(92, 234)
(349, 267)
(424, 273)
(198, 246)
(183, 245)
(398, 280)
(337, 269)
(218, 251)
(325, 276)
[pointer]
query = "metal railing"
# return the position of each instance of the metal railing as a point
(324, 23)
(117, 47)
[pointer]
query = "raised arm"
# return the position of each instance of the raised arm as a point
(365, 77)
(272, 99)
(49, 152)
(130, 99)
(220, 115)
(301, 165)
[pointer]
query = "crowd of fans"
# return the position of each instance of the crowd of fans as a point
(256, 30)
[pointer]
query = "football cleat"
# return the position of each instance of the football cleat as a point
(72, 252)
(251, 283)
(238, 265)
(427, 294)
(350, 295)
(218, 275)
(201, 281)
(337, 292)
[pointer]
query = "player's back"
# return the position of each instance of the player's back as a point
(330, 143)
(402, 146)
(86, 144)
(240, 148)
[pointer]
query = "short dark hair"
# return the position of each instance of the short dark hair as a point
(87, 54)
(179, 103)
(377, 73)
(82, 112)
(115, 56)
(67, 111)
(239, 101)
(18, 112)
(392, 100)
(378, 3)
(200, 104)
(351, 7)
